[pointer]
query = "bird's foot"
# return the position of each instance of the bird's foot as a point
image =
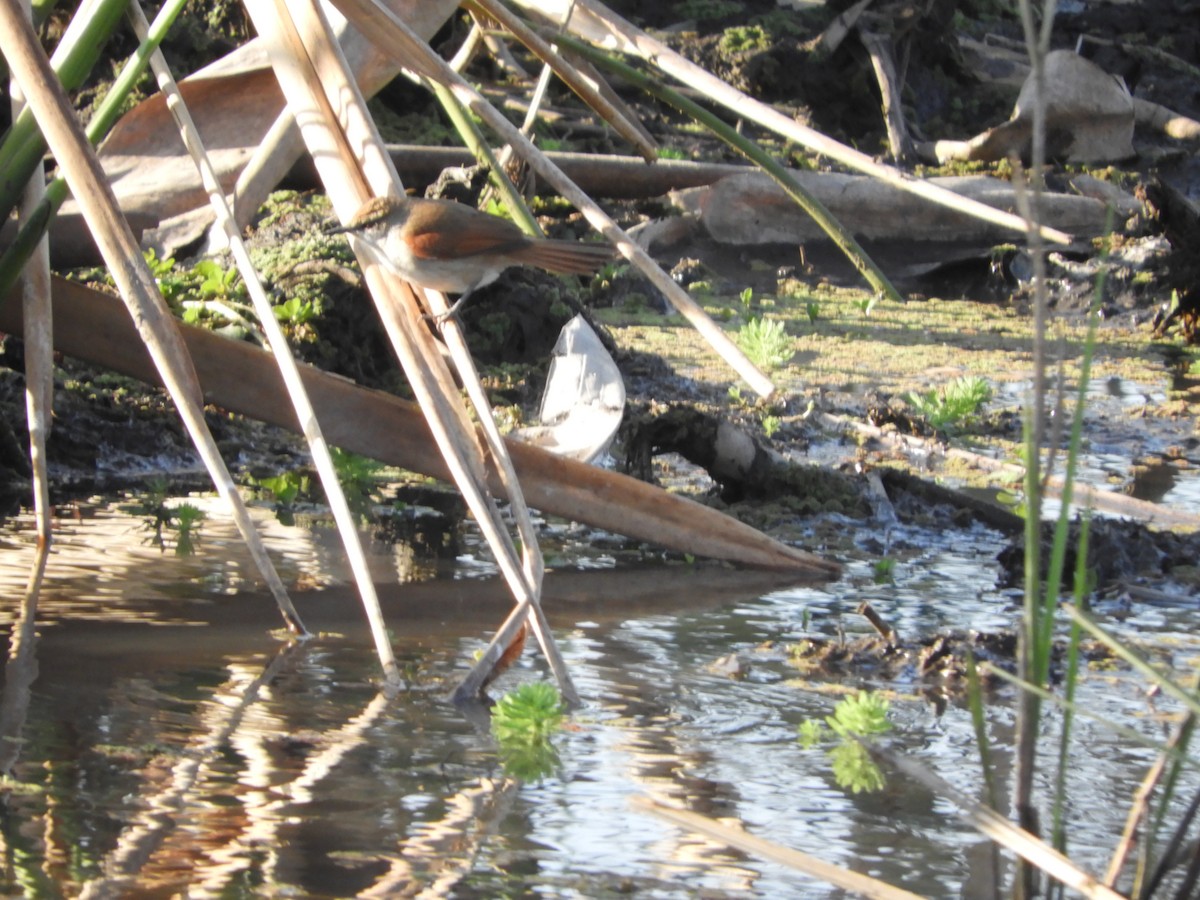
(439, 319)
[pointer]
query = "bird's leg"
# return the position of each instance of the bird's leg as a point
(455, 308)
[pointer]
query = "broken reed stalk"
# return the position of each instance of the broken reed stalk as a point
(393, 36)
(1175, 749)
(281, 351)
(526, 577)
(37, 309)
(532, 562)
(1146, 881)
(880, 47)
(353, 163)
(855, 882)
(156, 326)
(600, 26)
(752, 151)
(1027, 845)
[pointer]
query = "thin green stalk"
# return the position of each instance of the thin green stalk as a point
(1058, 832)
(475, 142)
(1168, 685)
(975, 701)
(22, 147)
(1037, 621)
(756, 154)
(1130, 734)
(106, 115)
(1062, 528)
(1058, 552)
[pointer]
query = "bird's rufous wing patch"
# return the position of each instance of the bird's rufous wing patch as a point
(461, 233)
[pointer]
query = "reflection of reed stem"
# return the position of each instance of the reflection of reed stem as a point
(21, 668)
(449, 846)
(136, 846)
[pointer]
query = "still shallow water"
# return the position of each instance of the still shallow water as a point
(174, 746)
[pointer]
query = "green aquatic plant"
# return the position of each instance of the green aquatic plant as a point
(523, 721)
(884, 570)
(863, 715)
(178, 524)
(953, 403)
(185, 521)
(854, 770)
(530, 714)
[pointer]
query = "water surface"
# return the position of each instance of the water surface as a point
(173, 744)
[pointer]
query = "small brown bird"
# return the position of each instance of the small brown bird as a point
(449, 247)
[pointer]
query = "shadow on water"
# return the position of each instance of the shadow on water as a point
(175, 746)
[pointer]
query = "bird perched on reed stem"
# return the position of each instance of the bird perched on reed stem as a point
(449, 247)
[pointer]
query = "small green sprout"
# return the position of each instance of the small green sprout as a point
(766, 342)
(885, 570)
(771, 425)
(294, 311)
(953, 403)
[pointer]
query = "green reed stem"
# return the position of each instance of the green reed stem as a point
(979, 722)
(474, 140)
(15, 255)
(22, 147)
(1058, 831)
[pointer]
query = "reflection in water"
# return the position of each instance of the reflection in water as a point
(136, 859)
(176, 748)
(21, 668)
